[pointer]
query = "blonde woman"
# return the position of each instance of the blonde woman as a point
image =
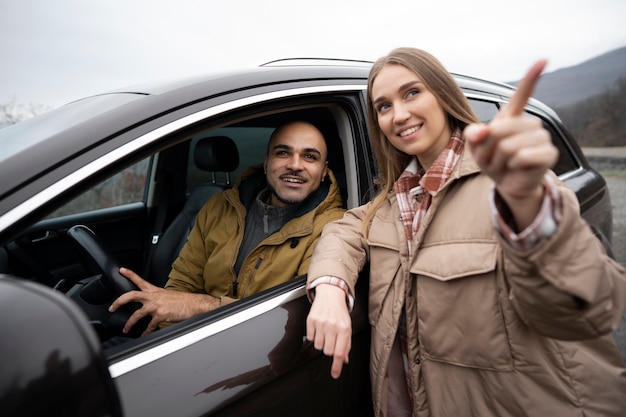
(488, 294)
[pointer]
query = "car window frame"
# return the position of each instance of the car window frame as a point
(557, 132)
(105, 160)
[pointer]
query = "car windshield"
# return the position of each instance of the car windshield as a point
(28, 133)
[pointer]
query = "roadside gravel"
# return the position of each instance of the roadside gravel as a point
(611, 163)
(616, 180)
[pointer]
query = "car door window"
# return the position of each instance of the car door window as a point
(566, 161)
(487, 110)
(125, 187)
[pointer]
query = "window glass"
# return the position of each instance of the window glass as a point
(127, 186)
(566, 161)
(485, 110)
(37, 129)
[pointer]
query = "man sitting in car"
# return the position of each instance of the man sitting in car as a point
(259, 234)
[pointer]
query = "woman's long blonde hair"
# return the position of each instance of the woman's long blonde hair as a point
(391, 161)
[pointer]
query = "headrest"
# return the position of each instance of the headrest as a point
(217, 153)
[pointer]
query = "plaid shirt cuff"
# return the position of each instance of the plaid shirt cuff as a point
(337, 282)
(544, 225)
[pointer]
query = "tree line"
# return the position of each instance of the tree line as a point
(13, 112)
(600, 120)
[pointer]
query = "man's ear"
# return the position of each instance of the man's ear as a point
(265, 165)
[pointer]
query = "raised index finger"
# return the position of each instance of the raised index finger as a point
(524, 91)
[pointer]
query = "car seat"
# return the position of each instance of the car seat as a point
(212, 154)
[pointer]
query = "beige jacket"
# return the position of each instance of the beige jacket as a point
(492, 332)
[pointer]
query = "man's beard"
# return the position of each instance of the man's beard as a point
(282, 200)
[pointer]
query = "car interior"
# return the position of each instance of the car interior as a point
(140, 217)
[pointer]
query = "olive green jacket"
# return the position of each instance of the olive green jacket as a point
(206, 262)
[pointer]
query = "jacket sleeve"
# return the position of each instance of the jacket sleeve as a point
(187, 270)
(341, 250)
(567, 287)
(318, 226)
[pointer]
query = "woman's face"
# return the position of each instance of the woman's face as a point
(408, 114)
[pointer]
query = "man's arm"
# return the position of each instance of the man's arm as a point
(183, 296)
(163, 305)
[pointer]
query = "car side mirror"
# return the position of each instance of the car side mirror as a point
(53, 363)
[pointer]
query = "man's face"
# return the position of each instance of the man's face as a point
(295, 163)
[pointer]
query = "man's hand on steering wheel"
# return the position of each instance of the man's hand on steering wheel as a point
(162, 305)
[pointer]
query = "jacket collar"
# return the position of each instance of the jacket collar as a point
(467, 164)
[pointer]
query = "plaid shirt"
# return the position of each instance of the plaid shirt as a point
(414, 188)
(542, 227)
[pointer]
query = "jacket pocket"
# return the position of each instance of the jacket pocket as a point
(459, 303)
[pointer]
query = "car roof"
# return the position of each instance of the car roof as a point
(85, 123)
(290, 70)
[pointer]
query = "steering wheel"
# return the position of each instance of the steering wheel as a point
(99, 256)
(95, 297)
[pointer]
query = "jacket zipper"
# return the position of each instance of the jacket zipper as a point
(236, 281)
(251, 276)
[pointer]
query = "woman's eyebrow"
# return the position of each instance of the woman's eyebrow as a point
(401, 88)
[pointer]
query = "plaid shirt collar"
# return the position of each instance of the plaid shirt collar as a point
(414, 188)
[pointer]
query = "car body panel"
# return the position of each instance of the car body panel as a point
(217, 375)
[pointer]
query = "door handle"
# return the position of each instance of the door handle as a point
(47, 235)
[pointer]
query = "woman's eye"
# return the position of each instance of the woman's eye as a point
(382, 107)
(412, 93)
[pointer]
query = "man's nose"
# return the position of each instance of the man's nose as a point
(295, 163)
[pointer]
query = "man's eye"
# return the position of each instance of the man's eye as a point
(310, 156)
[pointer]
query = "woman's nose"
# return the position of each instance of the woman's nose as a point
(400, 113)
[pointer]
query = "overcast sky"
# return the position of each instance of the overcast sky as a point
(55, 51)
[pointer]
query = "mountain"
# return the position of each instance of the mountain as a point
(570, 85)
